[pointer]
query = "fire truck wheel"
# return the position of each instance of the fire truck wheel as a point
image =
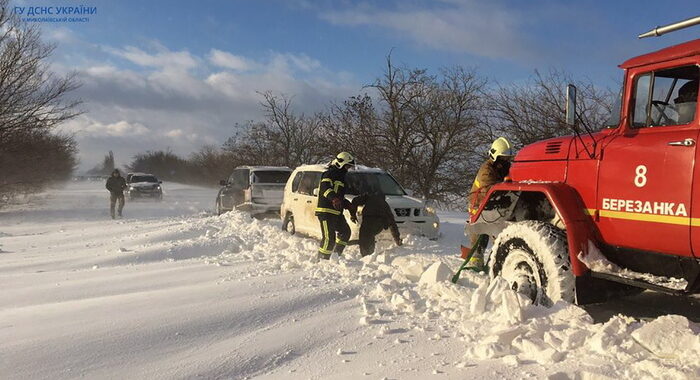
(533, 257)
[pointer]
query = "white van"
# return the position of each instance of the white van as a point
(301, 192)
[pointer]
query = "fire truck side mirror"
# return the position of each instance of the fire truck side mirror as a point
(571, 104)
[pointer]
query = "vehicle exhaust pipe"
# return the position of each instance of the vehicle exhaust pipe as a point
(661, 30)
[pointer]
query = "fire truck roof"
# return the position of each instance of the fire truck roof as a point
(685, 49)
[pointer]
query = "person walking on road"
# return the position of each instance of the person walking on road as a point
(116, 184)
(330, 206)
(376, 217)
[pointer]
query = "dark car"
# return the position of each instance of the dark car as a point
(143, 185)
(256, 189)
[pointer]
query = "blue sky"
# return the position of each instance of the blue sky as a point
(167, 74)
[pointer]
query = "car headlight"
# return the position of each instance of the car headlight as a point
(131, 188)
(430, 210)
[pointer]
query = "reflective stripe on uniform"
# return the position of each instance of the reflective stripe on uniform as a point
(327, 180)
(325, 251)
(338, 184)
(327, 210)
(326, 238)
(338, 241)
(325, 194)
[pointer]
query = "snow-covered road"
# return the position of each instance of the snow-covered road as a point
(171, 291)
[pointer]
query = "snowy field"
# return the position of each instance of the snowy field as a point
(172, 291)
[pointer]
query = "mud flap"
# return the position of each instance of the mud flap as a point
(589, 290)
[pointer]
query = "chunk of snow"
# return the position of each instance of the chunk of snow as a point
(435, 273)
(478, 300)
(410, 268)
(511, 309)
(670, 336)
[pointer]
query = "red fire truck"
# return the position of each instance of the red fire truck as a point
(617, 209)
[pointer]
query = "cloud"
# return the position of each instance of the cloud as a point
(162, 58)
(152, 98)
(227, 60)
(487, 29)
(87, 126)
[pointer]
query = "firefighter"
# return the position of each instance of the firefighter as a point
(491, 172)
(116, 186)
(331, 202)
(376, 217)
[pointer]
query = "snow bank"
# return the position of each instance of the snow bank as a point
(266, 308)
(494, 322)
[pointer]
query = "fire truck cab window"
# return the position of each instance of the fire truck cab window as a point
(665, 97)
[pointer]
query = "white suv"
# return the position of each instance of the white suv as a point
(301, 192)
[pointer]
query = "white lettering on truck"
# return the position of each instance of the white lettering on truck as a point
(645, 207)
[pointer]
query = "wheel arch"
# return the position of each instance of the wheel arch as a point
(509, 202)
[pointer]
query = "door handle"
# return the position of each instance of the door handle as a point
(686, 142)
(296, 199)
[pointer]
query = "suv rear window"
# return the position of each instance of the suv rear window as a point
(270, 176)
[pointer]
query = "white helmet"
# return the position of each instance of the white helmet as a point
(343, 159)
(500, 148)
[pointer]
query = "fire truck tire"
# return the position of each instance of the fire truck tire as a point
(533, 257)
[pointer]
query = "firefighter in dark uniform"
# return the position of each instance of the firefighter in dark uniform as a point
(491, 172)
(376, 217)
(330, 206)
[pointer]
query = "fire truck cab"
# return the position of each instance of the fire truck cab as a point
(612, 210)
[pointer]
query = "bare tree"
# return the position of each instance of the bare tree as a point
(448, 126)
(31, 96)
(293, 136)
(352, 126)
(32, 102)
(30, 161)
(106, 167)
(397, 88)
(535, 110)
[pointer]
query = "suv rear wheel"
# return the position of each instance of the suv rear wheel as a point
(533, 257)
(288, 224)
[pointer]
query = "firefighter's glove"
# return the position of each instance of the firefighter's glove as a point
(337, 203)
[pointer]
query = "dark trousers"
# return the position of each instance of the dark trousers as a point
(113, 199)
(370, 228)
(335, 234)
